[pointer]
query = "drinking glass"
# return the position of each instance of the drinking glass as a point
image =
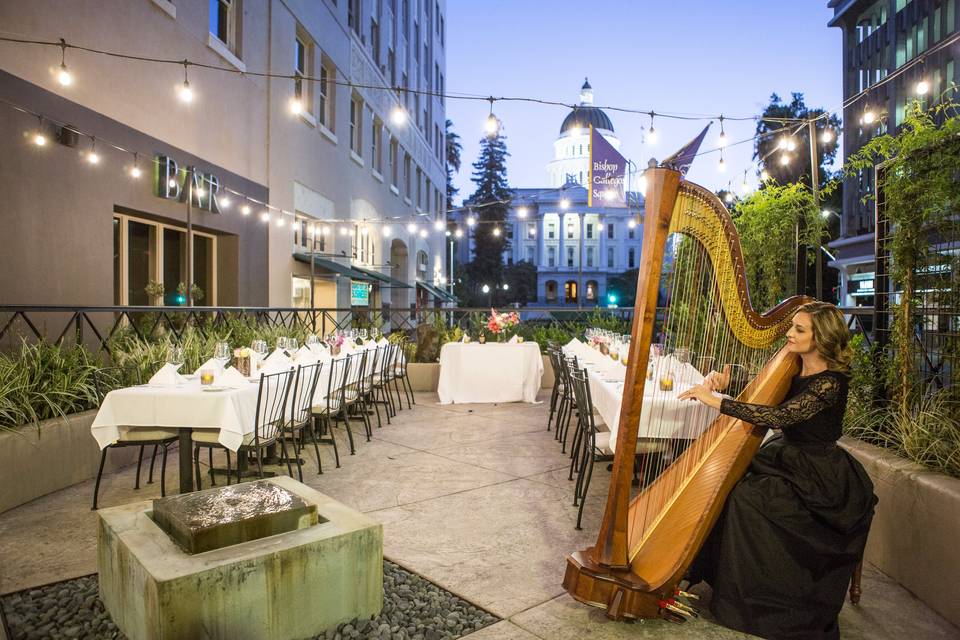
(221, 353)
(175, 355)
(312, 341)
(362, 333)
(292, 344)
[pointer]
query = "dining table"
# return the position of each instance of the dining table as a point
(494, 372)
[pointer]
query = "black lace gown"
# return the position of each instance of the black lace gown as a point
(793, 529)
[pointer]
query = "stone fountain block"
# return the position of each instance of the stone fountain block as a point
(295, 584)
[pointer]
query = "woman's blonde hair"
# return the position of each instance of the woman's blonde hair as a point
(830, 334)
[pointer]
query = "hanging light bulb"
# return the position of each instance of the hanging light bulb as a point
(324, 230)
(135, 169)
(447, 233)
(265, 216)
(744, 187)
(398, 115)
(438, 225)
(423, 233)
(869, 116)
(791, 144)
(411, 228)
(492, 124)
(199, 191)
(184, 90)
(496, 232)
(64, 77)
(92, 156)
(784, 159)
(522, 213)
(280, 221)
(728, 196)
(245, 209)
(631, 223)
(533, 232)
(39, 138)
(564, 203)
(782, 142)
(764, 176)
(652, 132)
(722, 165)
(458, 233)
(922, 87)
(826, 136)
(172, 183)
(296, 106)
(344, 231)
(387, 231)
(722, 141)
(471, 221)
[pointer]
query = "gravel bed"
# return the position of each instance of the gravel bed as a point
(413, 609)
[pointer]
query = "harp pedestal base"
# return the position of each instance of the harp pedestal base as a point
(621, 593)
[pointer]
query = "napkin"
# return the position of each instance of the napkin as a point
(270, 368)
(212, 364)
(513, 340)
(167, 376)
(233, 379)
(279, 356)
(383, 341)
(304, 353)
(573, 343)
(318, 348)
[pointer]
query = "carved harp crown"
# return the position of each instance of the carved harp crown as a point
(692, 297)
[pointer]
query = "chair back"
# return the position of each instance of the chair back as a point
(304, 386)
(271, 405)
(337, 382)
(370, 370)
(579, 379)
(555, 355)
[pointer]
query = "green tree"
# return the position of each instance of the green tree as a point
(624, 286)
(766, 147)
(766, 222)
(453, 160)
(490, 203)
(522, 278)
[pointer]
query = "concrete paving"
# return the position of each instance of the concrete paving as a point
(473, 497)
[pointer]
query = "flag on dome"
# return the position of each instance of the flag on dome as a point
(607, 168)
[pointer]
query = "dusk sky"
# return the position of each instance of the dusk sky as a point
(700, 57)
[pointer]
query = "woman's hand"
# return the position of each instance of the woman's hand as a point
(701, 393)
(716, 381)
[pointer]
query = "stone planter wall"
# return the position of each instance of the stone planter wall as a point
(62, 453)
(424, 376)
(914, 536)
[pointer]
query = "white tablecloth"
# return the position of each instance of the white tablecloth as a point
(662, 414)
(492, 372)
(185, 406)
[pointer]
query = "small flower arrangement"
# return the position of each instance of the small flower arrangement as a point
(500, 322)
(598, 341)
(241, 357)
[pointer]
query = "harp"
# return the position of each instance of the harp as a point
(692, 264)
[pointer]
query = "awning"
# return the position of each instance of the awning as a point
(387, 281)
(333, 267)
(436, 292)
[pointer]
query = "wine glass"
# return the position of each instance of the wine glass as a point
(175, 355)
(362, 333)
(221, 353)
(312, 342)
(292, 344)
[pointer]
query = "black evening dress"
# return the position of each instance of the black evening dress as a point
(781, 556)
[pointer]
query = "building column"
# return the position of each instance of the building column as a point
(602, 258)
(562, 258)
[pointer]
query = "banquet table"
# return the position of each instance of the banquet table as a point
(186, 407)
(662, 416)
(489, 373)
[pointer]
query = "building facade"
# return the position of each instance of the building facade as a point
(336, 182)
(880, 37)
(576, 248)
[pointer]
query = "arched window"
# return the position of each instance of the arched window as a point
(422, 262)
(551, 290)
(591, 290)
(570, 291)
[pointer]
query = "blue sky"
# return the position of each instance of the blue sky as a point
(691, 56)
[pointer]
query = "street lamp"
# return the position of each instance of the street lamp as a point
(486, 290)
(506, 286)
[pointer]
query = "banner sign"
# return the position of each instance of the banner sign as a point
(682, 159)
(359, 294)
(607, 168)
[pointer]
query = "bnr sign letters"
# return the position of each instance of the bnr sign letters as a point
(171, 183)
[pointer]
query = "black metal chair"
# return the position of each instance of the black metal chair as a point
(554, 354)
(369, 381)
(381, 381)
(353, 394)
(331, 405)
(268, 424)
(585, 446)
(300, 419)
(105, 380)
(568, 403)
(403, 376)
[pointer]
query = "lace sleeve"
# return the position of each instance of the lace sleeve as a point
(821, 394)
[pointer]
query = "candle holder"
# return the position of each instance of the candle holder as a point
(482, 339)
(666, 383)
(243, 365)
(206, 377)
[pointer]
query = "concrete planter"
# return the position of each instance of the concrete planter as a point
(424, 376)
(62, 453)
(913, 538)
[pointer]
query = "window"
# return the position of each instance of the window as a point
(631, 232)
(327, 76)
(531, 229)
(590, 231)
(569, 256)
(610, 231)
(406, 17)
(550, 289)
(407, 178)
(422, 261)
(551, 257)
(592, 289)
(569, 230)
(353, 16)
(631, 258)
(551, 231)
(376, 145)
(530, 255)
(225, 23)
(356, 124)
(570, 291)
(392, 67)
(443, 31)
(419, 188)
(610, 257)
(415, 45)
(303, 66)
(394, 163)
(375, 41)
(589, 256)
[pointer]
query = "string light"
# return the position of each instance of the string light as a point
(92, 156)
(64, 76)
(784, 159)
(764, 176)
(652, 133)
(344, 231)
(265, 216)
(423, 233)
(387, 231)
(791, 144)
(728, 196)
(722, 165)
(398, 115)
(135, 169)
(224, 202)
(744, 186)
(722, 141)
(245, 209)
(280, 220)
(869, 116)
(564, 203)
(458, 233)
(172, 183)
(922, 88)
(200, 192)
(522, 213)
(782, 142)
(496, 232)
(296, 106)
(827, 136)
(438, 225)
(39, 138)
(471, 221)
(184, 91)
(411, 228)
(492, 124)
(631, 224)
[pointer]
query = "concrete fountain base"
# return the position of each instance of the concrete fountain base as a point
(290, 585)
